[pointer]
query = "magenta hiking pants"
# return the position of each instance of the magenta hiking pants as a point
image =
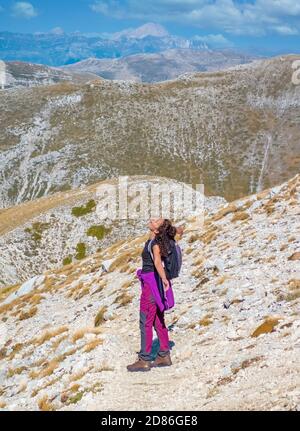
(151, 315)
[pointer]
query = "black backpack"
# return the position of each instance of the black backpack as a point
(172, 262)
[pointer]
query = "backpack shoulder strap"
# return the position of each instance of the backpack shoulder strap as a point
(150, 248)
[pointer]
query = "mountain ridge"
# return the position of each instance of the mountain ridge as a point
(162, 66)
(235, 131)
(67, 48)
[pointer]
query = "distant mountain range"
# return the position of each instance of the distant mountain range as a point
(160, 66)
(156, 67)
(57, 48)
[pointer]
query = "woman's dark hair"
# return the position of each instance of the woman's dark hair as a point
(166, 233)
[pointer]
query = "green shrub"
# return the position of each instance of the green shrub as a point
(81, 251)
(85, 209)
(76, 398)
(67, 260)
(98, 231)
(36, 230)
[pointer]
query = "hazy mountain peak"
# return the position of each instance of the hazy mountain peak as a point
(148, 29)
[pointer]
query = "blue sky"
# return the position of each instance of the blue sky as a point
(271, 24)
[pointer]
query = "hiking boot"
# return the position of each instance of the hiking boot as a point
(139, 365)
(162, 361)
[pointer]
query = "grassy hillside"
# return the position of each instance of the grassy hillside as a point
(236, 131)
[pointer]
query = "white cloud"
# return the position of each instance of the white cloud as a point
(100, 7)
(247, 17)
(280, 7)
(215, 40)
(286, 30)
(57, 31)
(24, 9)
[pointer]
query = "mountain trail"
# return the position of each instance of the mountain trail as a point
(67, 335)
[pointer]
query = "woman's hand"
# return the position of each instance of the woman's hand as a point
(179, 231)
(166, 284)
(160, 268)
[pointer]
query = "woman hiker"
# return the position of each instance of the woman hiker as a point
(161, 232)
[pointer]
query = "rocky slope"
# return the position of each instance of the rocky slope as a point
(66, 227)
(236, 131)
(234, 331)
(160, 66)
(20, 74)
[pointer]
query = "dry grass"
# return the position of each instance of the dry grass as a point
(231, 208)
(50, 334)
(127, 284)
(99, 319)
(209, 236)
(221, 279)
(50, 366)
(79, 375)
(3, 353)
(247, 363)
(36, 299)
(266, 327)
(192, 238)
(295, 256)
(224, 246)
(57, 342)
(28, 314)
(82, 292)
(15, 371)
(294, 291)
(2, 404)
(123, 299)
(76, 289)
(199, 261)
(46, 385)
(31, 298)
(114, 248)
(240, 215)
(68, 396)
(6, 291)
(101, 285)
(92, 345)
(48, 370)
(247, 205)
(121, 263)
(80, 333)
(104, 367)
(206, 321)
(294, 283)
(189, 250)
(16, 349)
(45, 405)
